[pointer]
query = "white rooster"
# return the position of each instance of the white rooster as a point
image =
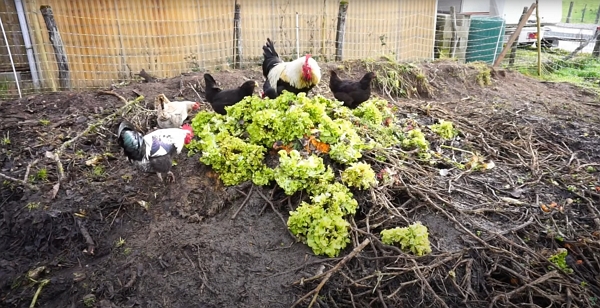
(300, 75)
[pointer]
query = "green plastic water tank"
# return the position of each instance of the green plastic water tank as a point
(486, 39)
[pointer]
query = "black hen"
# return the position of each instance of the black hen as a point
(352, 93)
(269, 91)
(220, 99)
(153, 152)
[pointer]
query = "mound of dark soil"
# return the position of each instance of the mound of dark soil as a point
(115, 237)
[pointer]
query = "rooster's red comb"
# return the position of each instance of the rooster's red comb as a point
(186, 127)
(306, 58)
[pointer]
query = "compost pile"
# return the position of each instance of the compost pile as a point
(458, 186)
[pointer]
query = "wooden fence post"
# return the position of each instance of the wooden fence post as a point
(583, 12)
(454, 39)
(514, 36)
(538, 37)
(596, 51)
(237, 37)
(64, 76)
(515, 44)
(570, 11)
(47, 79)
(583, 45)
(597, 16)
(341, 28)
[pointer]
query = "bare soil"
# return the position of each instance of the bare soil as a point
(98, 246)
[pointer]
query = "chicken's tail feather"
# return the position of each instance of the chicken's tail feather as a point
(209, 81)
(211, 88)
(125, 125)
(271, 57)
(269, 49)
(159, 104)
(130, 140)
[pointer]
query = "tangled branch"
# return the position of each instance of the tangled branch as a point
(493, 233)
(92, 126)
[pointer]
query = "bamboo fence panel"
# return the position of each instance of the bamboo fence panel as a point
(12, 28)
(417, 29)
(109, 41)
(277, 20)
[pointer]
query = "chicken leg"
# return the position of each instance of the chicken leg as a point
(172, 176)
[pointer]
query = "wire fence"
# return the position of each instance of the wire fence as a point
(81, 44)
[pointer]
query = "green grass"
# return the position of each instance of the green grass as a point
(578, 6)
(583, 70)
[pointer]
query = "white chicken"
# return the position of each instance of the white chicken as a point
(172, 114)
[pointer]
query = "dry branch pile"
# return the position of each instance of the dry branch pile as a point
(493, 231)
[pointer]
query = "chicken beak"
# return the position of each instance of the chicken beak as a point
(258, 89)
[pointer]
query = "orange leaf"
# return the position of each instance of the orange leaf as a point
(319, 146)
(280, 146)
(387, 122)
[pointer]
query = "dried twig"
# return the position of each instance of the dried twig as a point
(202, 273)
(244, 202)
(508, 295)
(88, 238)
(114, 94)
(327, 275)
(31, 164)
(275, 210)
(303, 266)
(191, 86)
(131, 281)
(24, 183)
(41, 284)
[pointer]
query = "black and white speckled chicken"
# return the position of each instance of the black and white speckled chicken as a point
(153, 152)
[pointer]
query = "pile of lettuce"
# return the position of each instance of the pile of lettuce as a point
(305, 136)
